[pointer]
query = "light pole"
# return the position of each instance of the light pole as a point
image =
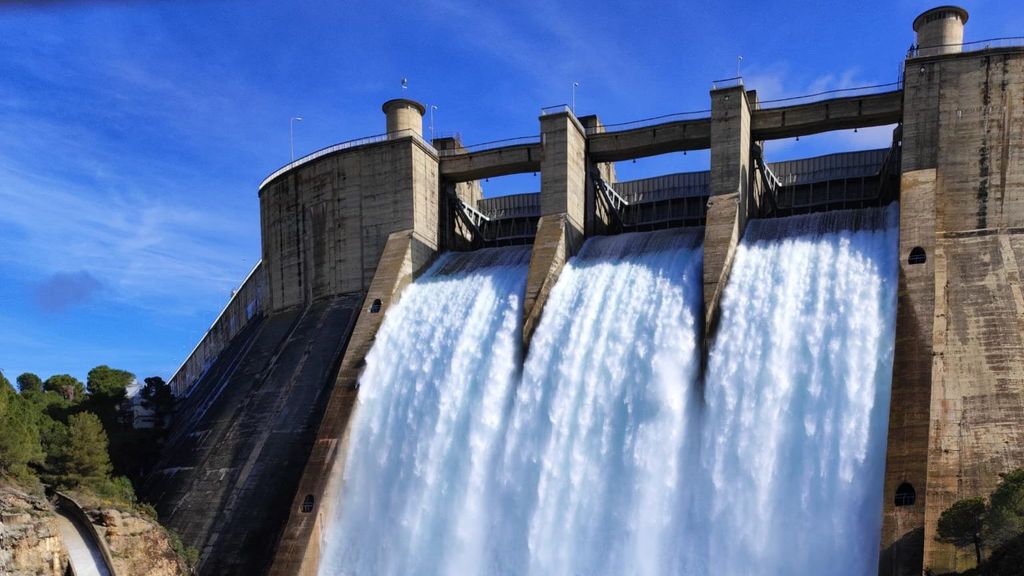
(432, 108)
(574, 86)
(291, 133)
(738, 60)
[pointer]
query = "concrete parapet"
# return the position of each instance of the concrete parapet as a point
(557, 240)
(298, 552)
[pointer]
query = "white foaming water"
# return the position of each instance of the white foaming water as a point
(606, 456)
(797, 399)
(429, 416)
(591, 477)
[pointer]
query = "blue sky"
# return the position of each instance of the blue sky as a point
(133, 134)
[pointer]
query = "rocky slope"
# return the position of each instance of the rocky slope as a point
(30, 543)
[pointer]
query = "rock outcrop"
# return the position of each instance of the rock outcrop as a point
(30, 541)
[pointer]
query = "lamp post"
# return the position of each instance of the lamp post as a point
(432, 108)
(291, 133)
(574, 86)
(738, 60)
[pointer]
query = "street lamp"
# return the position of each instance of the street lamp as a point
(574, 86)
(432, 108)
(291, 133)
(738, 60)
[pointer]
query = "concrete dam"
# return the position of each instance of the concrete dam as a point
(766, 367)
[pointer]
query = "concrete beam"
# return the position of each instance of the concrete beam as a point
(298, 551)
(827, 115)
(650, 140)
(491, 163)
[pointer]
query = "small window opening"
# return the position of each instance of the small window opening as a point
(307, 504)
(917, 256)
(905, 495)
(375, 307)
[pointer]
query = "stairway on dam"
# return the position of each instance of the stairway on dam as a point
(228, 473)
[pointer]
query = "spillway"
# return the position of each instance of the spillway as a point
(430, 414)
(797, 399)
(607, 453)
(593, 468)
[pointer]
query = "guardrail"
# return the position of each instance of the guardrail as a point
(652, 121)
(556, 109)
(727, 83)
(827, 94)
(503, 143)
(345, 146)
(974, 46)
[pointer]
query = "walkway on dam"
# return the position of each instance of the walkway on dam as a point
(86, 558)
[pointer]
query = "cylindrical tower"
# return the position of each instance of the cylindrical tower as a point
(404, 114)
(940, 30)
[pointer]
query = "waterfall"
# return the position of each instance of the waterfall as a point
(607, 453)
(797, 398)
(430, 412)
(593, 467)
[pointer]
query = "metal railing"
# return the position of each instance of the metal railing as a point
(727, 83)
(556, 109)
(974, 46)
(652, 121)
(503, 143)
(827, 94)
(345, 146)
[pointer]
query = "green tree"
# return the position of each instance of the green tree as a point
(1005, 517)
(157, 396)
(19, 437)
(962, 523)
(29, 382)
(108, 384)
(66, 385)
(85, 457)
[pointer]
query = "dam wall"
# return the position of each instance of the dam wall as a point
(964, 159)
(345, 230)
(247, 305)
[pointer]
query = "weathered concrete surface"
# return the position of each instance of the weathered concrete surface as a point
(721, 237)
(977, 404)
(324, 224)
(563, 176)
(959, 321)
(246, 305)
(731, 201)
(646, 141)
(226, 482)
(491, 163)
(557, 240)
(903, 527)
(828, 115)
(298, 550)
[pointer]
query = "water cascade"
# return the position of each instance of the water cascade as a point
(431, 402)
(606, 453)
(797, 398)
